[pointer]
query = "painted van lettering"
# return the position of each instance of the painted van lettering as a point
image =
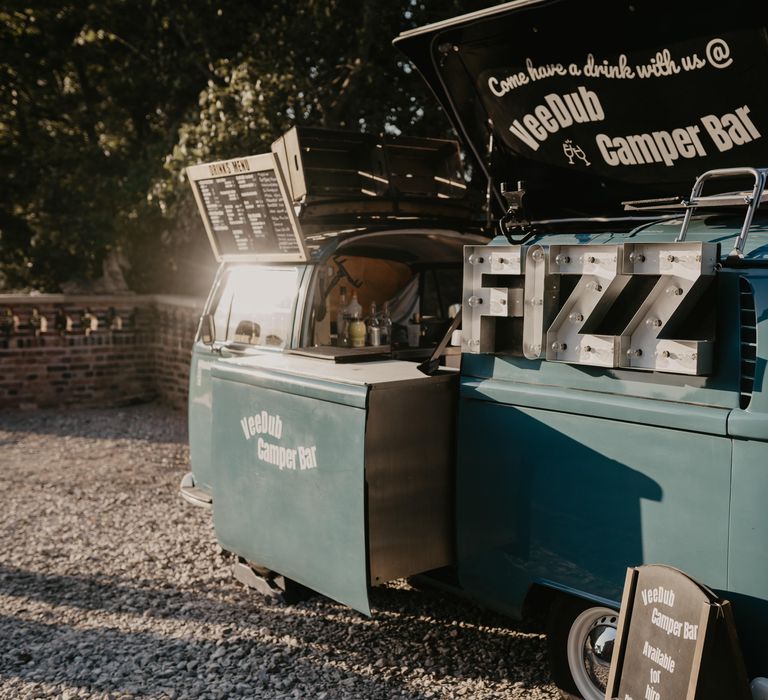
(725, 131)
(557, 112)
(307, 457)
(501, 86)
(731, 129)
(656, 147)
(262, 423)
(302, 458)
(277, 455)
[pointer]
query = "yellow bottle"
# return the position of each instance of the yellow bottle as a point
(355, 323)
(357, 333)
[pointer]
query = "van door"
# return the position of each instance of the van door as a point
(253, 308)
(338, 476)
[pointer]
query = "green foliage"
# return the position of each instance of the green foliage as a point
(103, 104)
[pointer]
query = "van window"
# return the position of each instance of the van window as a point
(256, 305)
(441, 288)
(415, 294)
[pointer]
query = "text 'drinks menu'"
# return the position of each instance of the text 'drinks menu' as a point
(248, 214)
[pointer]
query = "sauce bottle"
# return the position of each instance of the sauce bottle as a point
(355, 324)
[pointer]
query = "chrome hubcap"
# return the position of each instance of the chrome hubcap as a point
(589, 650)
(598, 650)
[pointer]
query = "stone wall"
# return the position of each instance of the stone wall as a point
(95, 351)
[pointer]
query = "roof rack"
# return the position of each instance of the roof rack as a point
(654, 204)
(750, 199)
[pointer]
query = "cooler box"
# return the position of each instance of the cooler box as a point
(338, 476)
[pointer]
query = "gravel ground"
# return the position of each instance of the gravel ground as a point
(112, 587)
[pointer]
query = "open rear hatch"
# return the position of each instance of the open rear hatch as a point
(319, 182)
(593, 103)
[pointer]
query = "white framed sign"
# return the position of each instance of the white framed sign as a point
(246, 210)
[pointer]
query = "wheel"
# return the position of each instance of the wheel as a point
(580, 639)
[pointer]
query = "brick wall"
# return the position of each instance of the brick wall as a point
(174, 332)
(139, 350)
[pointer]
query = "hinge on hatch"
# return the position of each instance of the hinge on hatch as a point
(516, 217)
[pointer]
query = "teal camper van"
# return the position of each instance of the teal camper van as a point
(604, 404)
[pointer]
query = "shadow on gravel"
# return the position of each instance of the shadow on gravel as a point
(410, 630)
(121, 595)
(128, 422)
(102, 593)
(180, 624)
(137, 663)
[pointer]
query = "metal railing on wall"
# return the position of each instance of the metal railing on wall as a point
(74, 336)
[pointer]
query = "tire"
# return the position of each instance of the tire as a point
(580, 637)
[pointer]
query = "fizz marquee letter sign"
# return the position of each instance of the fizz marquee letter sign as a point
(513, 302)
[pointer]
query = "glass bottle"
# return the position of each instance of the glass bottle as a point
(374, 327)
(356, 325)
(386, 325)
(342, 336)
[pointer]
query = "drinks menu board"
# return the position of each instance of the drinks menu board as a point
(246, 210)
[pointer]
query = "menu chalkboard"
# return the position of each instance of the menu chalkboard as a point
(676, 640)
(246, 210)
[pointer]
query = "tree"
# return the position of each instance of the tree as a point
(103, 104)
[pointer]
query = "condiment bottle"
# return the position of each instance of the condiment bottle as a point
(355, 324)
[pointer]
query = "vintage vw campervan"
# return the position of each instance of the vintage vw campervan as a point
(611, 406)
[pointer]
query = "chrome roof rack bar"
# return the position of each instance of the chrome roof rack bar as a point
(749, 199)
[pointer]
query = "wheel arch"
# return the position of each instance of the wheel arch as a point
(543, 594)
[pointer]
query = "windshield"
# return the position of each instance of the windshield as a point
(256, 305)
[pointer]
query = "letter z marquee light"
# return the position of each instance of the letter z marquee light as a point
(625, 304)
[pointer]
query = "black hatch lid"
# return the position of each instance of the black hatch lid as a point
(347, 178)
(593, 102)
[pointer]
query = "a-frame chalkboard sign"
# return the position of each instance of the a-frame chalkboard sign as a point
(676, 640)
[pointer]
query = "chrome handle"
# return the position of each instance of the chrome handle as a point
(751, 200)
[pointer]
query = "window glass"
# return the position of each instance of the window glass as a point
(256, 306)
(374, 280)
(442, 288)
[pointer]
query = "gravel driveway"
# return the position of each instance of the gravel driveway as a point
(112, 587)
